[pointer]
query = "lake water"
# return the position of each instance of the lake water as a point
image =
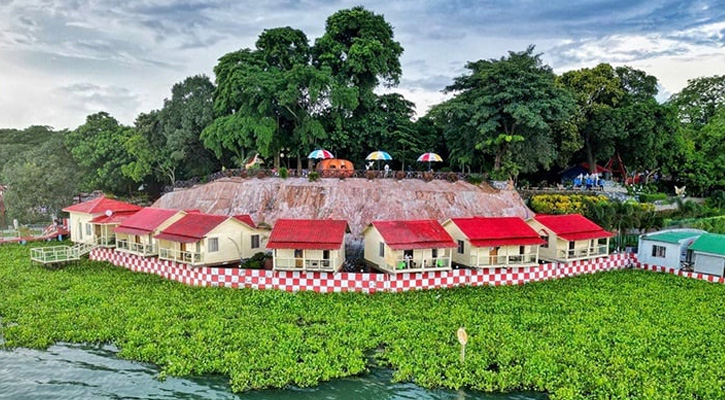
(87, 372)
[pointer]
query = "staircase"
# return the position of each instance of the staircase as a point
(60, 254)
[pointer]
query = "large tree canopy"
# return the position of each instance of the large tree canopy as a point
(166, 145)
(502, 105)
(700, 100)
(99, 146)
(41, 181)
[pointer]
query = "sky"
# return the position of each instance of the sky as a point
(61, 60)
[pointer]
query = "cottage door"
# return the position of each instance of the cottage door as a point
(493, 256)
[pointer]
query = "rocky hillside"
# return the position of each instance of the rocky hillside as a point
(359, 201)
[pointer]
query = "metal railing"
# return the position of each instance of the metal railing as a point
(583, 252)
(106, 241)
(186, 257)
(329, 173)
(420, 264)
(54, 254)
(504, 260)
(58, 254)
(305, 264)
(144, 249)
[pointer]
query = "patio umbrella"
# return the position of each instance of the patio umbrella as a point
(378, 156)
(320, 154)
(429, 158)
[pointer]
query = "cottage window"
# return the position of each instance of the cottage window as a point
(571, 245)
(255, 241)
(434, 253)
(545, 238)
(325, 254)
(88, 229)
(381, 250)
(522, 249)
(659, 251)
(213, 244)
(461, 246)
(298, 253)
(80, 230)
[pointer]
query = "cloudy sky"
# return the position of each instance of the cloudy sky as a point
(61, 60)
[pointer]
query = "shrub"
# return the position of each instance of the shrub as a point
(452, 177)
(255, 262)
(313, 176)
(261, 175)
(652, 197)
(283, 173)
(244, 174)
(400, 175)
(371, 174)
(474, 179)
(427, 176)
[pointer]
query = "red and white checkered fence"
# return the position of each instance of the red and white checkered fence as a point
(327, 282)
(678, 272)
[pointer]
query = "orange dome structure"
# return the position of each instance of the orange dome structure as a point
(335, 167)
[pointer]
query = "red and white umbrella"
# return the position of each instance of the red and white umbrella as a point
(430, 157)
(320, 154)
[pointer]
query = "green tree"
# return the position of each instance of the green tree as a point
(598, 92)
(507, 108)
(268, 98)
(361, 53)
(165, 145)
(41, 181)
(648, 127)
(99, 146)
(700, 100)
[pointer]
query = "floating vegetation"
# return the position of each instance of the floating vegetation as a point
(615, 335)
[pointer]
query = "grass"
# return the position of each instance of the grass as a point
(616, 335)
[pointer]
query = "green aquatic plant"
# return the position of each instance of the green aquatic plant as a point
(613, 335)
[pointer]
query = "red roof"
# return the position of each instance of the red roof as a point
(115, 218)
(100, 205)
(573, 227)
(599, 169)
(497, 231)
(421, 234)
(307, 234)
(191, 227)
(145, 221)
(246, 219)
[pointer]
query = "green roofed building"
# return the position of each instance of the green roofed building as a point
(709, 254)
(667, 248)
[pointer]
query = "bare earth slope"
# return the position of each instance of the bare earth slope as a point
(359, 201)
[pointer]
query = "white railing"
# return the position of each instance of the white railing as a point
(58, 254)
(304, 264)
(144, 249)
(586, 252)
(106, 241)
(186, 257)
(504, 260)
(49, 255)
(401, 264)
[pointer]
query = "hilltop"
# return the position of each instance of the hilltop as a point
(359, 201)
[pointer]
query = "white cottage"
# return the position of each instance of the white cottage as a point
(667, 248)
(708, 253)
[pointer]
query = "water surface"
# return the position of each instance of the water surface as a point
(86, 372)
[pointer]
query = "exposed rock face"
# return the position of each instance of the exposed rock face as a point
(359, 201)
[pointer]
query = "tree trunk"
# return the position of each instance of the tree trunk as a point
(276, 161)
(590, 155)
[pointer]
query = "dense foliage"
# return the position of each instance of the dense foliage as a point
(617, 335)
(289, 95)
(609, 214)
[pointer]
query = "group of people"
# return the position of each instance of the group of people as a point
(589, 181)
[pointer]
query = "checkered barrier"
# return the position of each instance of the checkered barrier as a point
(325, 282)
(678, 272)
